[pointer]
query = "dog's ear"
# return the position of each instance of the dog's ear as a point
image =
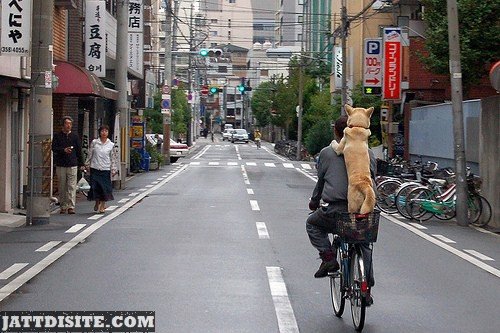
(369, 112)
(348, 109)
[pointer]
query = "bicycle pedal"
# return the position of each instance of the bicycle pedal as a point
(334, 274)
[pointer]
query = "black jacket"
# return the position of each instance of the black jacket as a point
(62, 140)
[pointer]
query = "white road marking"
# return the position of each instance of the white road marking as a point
(288, 165)
(251, 163)
(141, 190)
(418, 226)
(155, 182)
(232, 163)
(133, 194)
(254, 204)
(272, 165)
(75, 228)
(111, 208)
(306, 166)
(274, 154)
(33, 271)
(245, 175)
(444, 239)
(238, 152)
(123, 200)
(161, 178)
(12, 270)
(484, 231)
(447, 247)
(479, 255)
(262, 230)
(203, 151)
(284, 311)
(250, 191)
(47, 247)
(213, 163)
(94, 217)
(195, 163)
(306, 174)
(149, 186)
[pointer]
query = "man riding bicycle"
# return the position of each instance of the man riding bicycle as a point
(331, 188)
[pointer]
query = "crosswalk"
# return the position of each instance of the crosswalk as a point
(288, 165)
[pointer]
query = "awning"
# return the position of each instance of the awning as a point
(75, 80)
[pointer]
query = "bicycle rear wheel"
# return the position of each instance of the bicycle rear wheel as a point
(484, 214)
(358, 301)
(337, 291)
(386, 192)
(414, 206)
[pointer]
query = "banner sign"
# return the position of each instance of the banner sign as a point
(337, 53)
(135, 36)
(392, 64)
(95, 37)
(15, 35)
(115, 154)
(372, 66)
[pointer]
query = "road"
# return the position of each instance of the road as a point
(217, 243)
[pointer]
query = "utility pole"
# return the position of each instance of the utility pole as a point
(121, 77)
(190, 81)
(167, 81)
(458, 117)
(301, 86)
(344, 57)
(39, 165)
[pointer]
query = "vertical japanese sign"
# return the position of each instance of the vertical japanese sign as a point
(135, 36)
(337, 54)
(372, 66)
(16, 27)
(392, 64)
(95, 37)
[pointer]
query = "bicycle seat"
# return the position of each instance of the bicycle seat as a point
(436, 181)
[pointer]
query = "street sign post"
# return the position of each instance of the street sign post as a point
(372, 66)
(392, 64)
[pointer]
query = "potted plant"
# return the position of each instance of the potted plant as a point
(156, 157)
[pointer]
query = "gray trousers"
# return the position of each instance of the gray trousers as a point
(322, 222)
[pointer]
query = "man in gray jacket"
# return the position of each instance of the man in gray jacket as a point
(331, 187)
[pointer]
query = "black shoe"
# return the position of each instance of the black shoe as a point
(369, 299)
(327, 267)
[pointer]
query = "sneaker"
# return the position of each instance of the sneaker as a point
(71, 211)
(62, 211)
(327, 267)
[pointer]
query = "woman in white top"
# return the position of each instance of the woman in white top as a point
(101, 163)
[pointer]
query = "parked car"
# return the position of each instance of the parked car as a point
(177, 150)
(239, 134)
(226, 135)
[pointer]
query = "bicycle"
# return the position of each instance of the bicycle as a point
(257, 143)
(425, 202)
(351, 281)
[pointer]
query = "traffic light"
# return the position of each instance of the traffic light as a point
(242, 88)
(212, 53)
(215, 90)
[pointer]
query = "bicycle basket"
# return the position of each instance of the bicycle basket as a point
(353, 228)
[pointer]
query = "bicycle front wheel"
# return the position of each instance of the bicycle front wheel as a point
(386, 193)
(337, 291)
(358, 301)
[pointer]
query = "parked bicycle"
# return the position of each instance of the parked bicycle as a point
(351, 281)
(425, 202)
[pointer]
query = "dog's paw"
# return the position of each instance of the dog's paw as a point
(335, 146)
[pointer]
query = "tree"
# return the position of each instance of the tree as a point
(180, 112)
(479, 29)
(262, 103)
